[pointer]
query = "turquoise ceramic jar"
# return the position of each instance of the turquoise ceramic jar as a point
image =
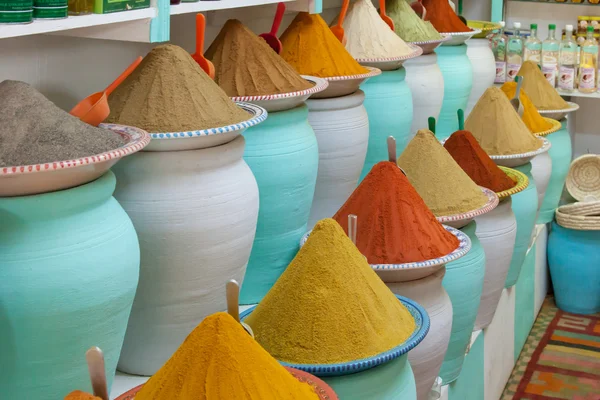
(524, 205)
(458, 82)
(69, 268)
(574, 260)
(283, 156)
(464, 283)
(389, 104)
(560, 153)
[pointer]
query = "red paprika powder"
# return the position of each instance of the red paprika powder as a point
(467, 153)
(394, 224)
(443, 17)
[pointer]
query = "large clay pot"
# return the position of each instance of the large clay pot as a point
(464, 284)
(69, 267)
(426, 359)
(283, 156)
(497, 231)
(341, 126)
(541, 169)
(195, 212)
(484, 69)
(390, 108)
(424, 77)
(560, 153)
(458, 81)
(524, 205)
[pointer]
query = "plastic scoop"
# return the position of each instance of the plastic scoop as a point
(461, 119)
(271, 37)
(384, 16)
(94, 108)
(431, 123)
(338, 29)
(515, 101)
(95, 362)
(198, 56)
(391, 143)
(419, 8)
(233, 303)
(460, 10)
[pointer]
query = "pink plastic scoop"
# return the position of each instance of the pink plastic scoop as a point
(198, 56)
(338, 29)
(419, 8)
(271, 37)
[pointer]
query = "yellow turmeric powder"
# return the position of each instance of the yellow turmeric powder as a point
(219, 360)
(79, 395)
(329, 306)
(532, 118)
(312, 49)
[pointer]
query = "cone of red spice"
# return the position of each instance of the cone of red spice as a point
(467, 153)
(443, 17)
(394, 224)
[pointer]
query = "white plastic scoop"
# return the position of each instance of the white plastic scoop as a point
(233, 304)
(515, 101)
(95, 362)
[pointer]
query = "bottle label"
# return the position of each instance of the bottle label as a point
(500, 72)
(566, 78)
(533, 55)
(588, 78)
(549, 71)
(511, 71)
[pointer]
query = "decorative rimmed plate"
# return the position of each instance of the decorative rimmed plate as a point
(583, 179)
(27, 180)
(458, 38)
(556, 125)
(430, 45)
(285, 101)
(516, 160)
(421, 329)
(559, 114)
(323, 390)
(462, 219)
(484, 26)
(344, 85)
(201, 139)
(391, 63)
(517, 176)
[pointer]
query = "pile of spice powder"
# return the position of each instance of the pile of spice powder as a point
(169, 92)
(532, 118)
(33, 130)
(310, 315)
(540, 91)
(465, 150)
(219, 360)
(368, 36)
(394, 224)
(312, 49)
(79, 395)
(408, 25)
(439, 180)
(497, 126)
(244, 65)
(443, 17)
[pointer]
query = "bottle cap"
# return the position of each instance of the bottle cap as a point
(551, 26)
(590, 28)
(517, 25)
(569, 28)
(533, 26)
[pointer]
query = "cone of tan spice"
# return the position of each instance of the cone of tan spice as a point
(497, 126)
(540, 91)
(532, 118)
(439, 180)
(245, 65)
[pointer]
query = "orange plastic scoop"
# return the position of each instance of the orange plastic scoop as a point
(271, 37)
(338, 29)
(384, 16)
(94, 108)
(198, 56)
(419, 8)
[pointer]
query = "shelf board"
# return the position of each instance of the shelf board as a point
(567, 3)
(595, 95)
(202, 6)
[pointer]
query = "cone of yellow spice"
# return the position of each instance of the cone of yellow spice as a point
(329, 306)
(79, 395)
(532, 118)
(219, 361)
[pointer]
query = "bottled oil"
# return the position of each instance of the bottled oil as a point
(514, 55)
(550, 50)
(499, 42)
(589, 63)
(567, 73)
(533, 46)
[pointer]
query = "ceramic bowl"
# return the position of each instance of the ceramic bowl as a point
(484, 26)
(458, 38)
(202, 139)
(556, 125)
(344, 85)
(517, 176)
(460, 220)
(429, 46)
(516, 160)
(559, 114)
(27, 180)
(285, 101)
(391, 63)
(351, 367)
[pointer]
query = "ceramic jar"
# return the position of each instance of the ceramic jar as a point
(69, 268)
(458, 82)
(283, 156)
(424, 77)
(464, 284)
(195, 212)
(341, 126)
(541, 169)
(484, 69)
(390, 109)
(497, 232)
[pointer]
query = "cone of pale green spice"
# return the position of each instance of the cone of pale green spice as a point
(408, 25)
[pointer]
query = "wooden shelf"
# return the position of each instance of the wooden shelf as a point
(565, 3)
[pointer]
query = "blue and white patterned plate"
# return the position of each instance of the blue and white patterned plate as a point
(202, 139)
(352, 367)
(462, 219)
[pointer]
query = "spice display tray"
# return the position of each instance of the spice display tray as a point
(345, 85)
(516, 175)
(392, 63)
(202, 139)
(430, 45)
(463, 219)
(559, 114)
(285, 101)
(27, 180)
(556, 125)
(458, 38)
(516, 160)
(421, 329)
(484, 26)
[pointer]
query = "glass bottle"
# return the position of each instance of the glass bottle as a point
(514, 55)
(499, 42)
(533, 46)
(567, 70)
(80, 7)
(589, 63)
(550, 49)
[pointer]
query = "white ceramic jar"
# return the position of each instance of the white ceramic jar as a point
(484, 69)
(541, 169)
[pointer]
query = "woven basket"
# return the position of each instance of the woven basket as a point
(582, 216)
(583, 179)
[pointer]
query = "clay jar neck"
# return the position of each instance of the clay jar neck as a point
(337, 103)
(388, 77)
(460, 50)
(426, 59)
(289, 117)
(470, 229)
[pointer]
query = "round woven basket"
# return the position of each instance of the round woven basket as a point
(583, 216)
(583, 179)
